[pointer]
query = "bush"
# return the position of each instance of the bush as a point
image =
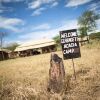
(95, 35)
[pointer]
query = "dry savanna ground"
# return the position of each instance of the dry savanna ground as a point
(27, 78)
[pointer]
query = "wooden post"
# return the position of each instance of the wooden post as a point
(74, 69)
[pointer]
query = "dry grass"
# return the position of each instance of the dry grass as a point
(27, 78)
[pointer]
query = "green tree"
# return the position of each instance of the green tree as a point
(57, 39)
(12, 46)
(87, 22)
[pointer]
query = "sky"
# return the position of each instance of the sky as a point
(26, 20)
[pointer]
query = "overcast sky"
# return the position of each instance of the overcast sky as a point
(27, 20)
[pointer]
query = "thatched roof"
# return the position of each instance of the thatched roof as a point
(35, 44)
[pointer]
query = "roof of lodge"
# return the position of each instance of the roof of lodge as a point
(5, 50)
(35, 44)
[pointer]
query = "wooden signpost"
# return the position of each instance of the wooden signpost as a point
(70, 45)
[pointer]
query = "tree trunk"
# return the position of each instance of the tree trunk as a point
(2, 55)
(88, 39)
(56, 74)
(1, 48)
(81, 41)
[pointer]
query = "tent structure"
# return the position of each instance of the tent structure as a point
(36, 47)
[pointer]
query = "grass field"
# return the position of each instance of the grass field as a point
(27, 78)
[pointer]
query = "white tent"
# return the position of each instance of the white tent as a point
(35, 44)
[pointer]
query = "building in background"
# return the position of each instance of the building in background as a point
(36, 47)
(4, 54)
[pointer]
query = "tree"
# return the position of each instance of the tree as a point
(12, 46)
(57, 39)
(87, 22)
(2, 35)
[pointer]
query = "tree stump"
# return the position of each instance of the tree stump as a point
(56, 74)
